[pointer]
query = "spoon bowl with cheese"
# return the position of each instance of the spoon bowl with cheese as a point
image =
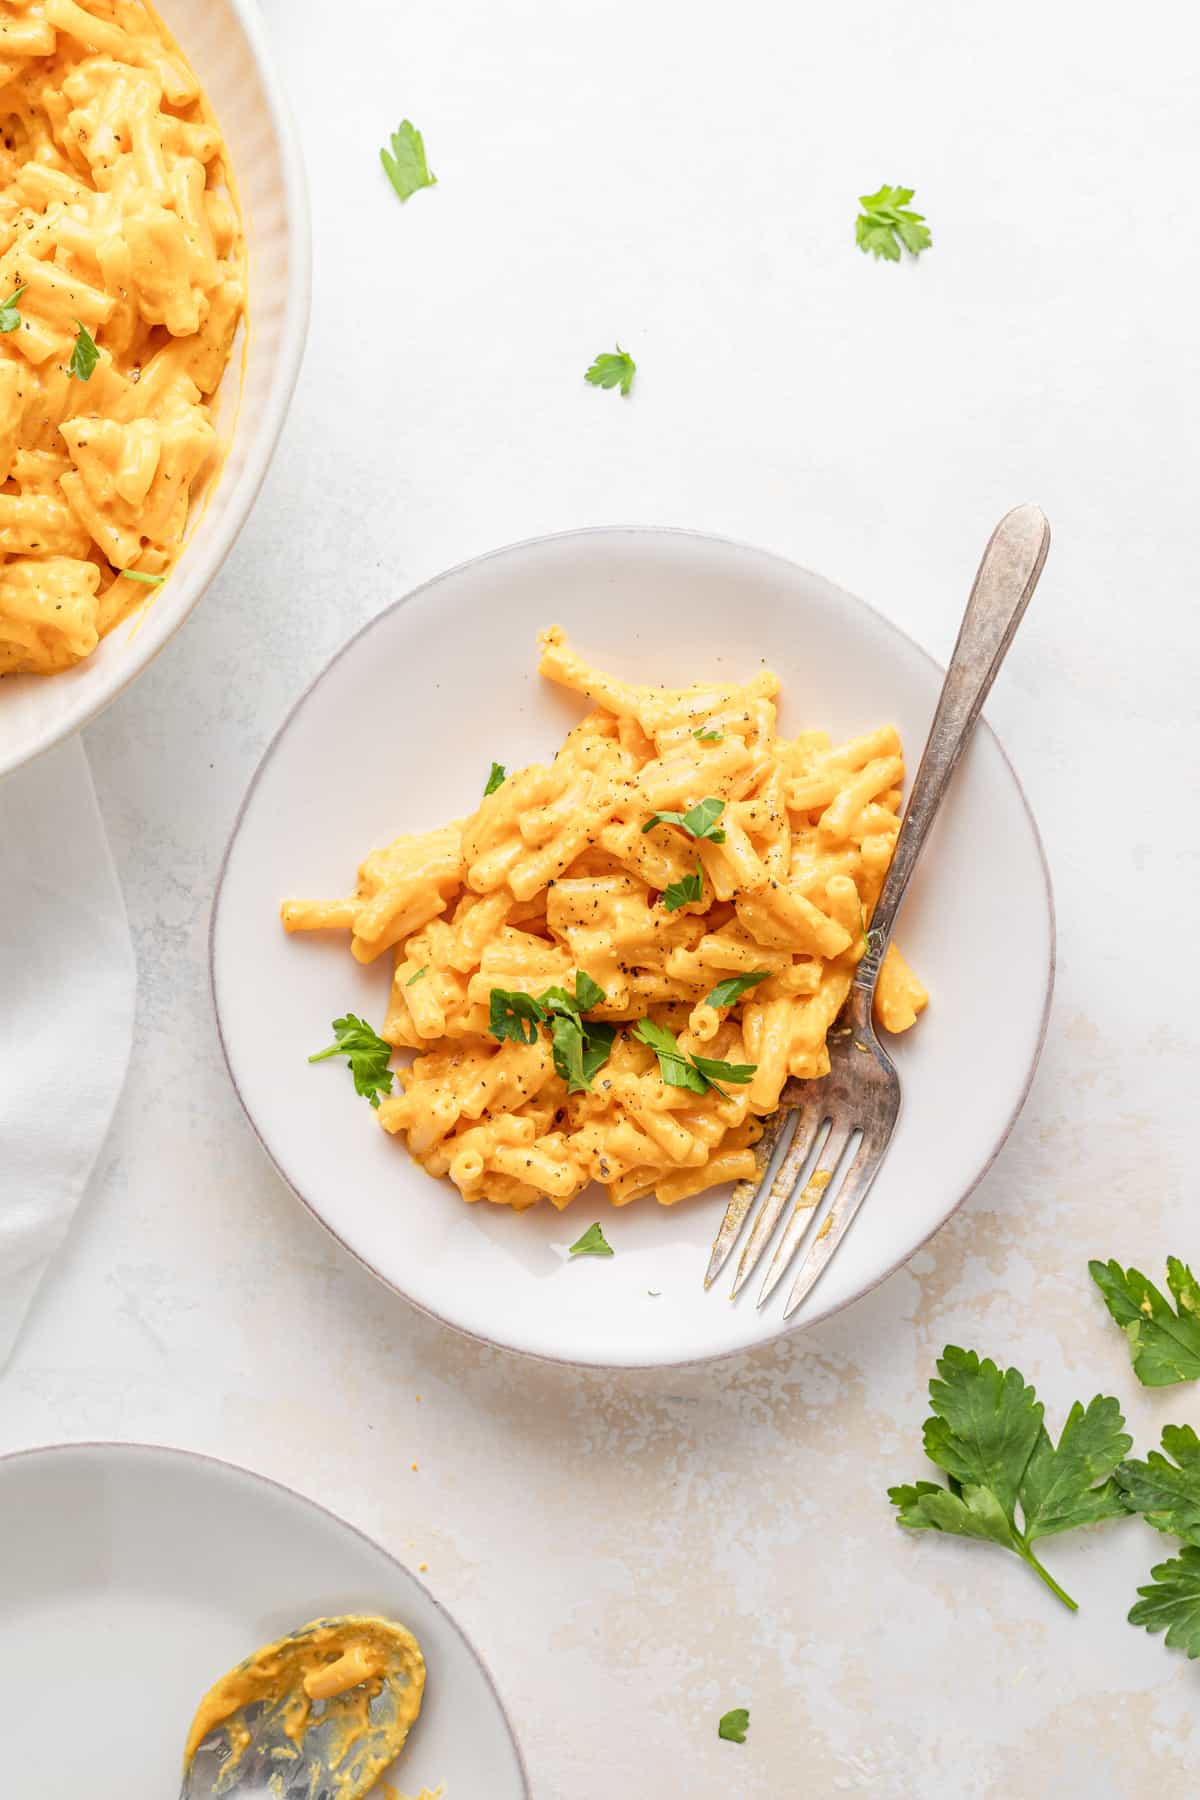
(320, 1713)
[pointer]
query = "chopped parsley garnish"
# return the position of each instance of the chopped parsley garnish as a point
(406, 166)
(140, 575)
(579, 1048)
(413, 979)
(1164, 1343)
(729, 991)
(592, 1243)
(733, 1726)
(887, 221)
(10, 318)
(515, 1017)
(366, 1053)
(609, 371)
(987, 1433)
(682, 893)
(85, 355)
(700, 821)
(707, 735)
(697, 1073)
(497, 778)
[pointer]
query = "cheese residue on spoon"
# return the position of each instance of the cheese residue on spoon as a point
(328, 1673)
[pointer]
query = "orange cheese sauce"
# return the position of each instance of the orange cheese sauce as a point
(123, 282)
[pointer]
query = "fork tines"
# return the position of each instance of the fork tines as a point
(812, 1138)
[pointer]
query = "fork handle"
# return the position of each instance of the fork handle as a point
(1003, 588)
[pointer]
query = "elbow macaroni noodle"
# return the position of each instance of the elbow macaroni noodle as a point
(116, 214)
(554, 873)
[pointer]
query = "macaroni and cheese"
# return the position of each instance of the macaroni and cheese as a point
(122, 282)
(609, 970)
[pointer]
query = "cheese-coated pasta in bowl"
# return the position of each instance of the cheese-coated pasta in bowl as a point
(638, 719)
(611, 968)
(153, 296)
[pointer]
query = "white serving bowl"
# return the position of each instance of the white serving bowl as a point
(225, 42)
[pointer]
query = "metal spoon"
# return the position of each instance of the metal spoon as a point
(318, 1715)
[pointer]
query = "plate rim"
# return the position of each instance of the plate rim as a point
(786, 1329)
(180, 1454)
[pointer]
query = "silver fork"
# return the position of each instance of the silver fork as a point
(854, 1108)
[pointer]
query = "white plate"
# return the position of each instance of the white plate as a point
(134, 1576)
(225, 43)
(398, 734)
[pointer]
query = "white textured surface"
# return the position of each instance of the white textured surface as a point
(634, 1555)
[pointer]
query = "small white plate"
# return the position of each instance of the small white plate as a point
(398, 734)
(134, 1577)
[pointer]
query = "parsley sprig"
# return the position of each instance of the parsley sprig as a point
(733, 1725)
(496, 779)
(1009, 1484)
(366, 1053)
(1164, 1343)
(609, 371)
(700, 821)
(579, 1047)
(405, 163)
(887, 221)
(698, 1073)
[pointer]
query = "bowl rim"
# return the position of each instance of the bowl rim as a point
(183, 1455)
(785, 1330)
(157, 629)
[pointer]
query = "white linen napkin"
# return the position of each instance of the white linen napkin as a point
(67, 988)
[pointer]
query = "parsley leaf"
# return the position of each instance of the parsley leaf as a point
(592, 1243)
(713, 1070)
(707, 735)
(987, 1434)
(597, 1048)
(729, 991)
(514, 1016)
(579, 1049)
(10, 318)
(1167, 1494)
(699, 821)
(497, 778)
(609, 371)
(887, 221)
(1171, 1602)
(406, 167)
(1164, 1344)
(140, 575)
(681, 893)
(85, 355)
(366, 1054)
(697, 1073)
(588, 993)
(733, 1726)
(413, 979)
